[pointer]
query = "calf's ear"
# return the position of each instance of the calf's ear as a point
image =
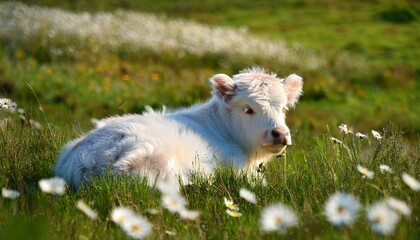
(223, 86)
(293, 85)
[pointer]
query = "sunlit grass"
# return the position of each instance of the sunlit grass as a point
(303, 180)
(62, 93)
(60, 33)
(96, 81)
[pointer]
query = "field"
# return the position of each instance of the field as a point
(66, 62)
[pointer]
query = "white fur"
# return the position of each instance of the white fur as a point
(162, 145)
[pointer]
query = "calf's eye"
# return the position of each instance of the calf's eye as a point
(248, 110)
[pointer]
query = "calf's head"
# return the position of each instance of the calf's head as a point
(255, 104)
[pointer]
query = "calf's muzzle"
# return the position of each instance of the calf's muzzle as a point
(281, 136)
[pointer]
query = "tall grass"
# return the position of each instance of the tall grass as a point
(100, 74)
(74, 77)
(303, 180)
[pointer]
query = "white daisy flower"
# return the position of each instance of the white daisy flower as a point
(21, 111)
(152, 211)
(6, 103)
(53, 185)
(189, 214)
(170, 233)
(335, 140)
(376, 134)
(174, 203)
(385, 168)
(411, 182)
(399, 206)
(247, 195)
(82, 206)
(137, 227)
(345, 129)
(120, 215)
(382, 218)
(341, 209)
(9, 193)
(167, 188)
(277, 217)
(233, 213)
(365, 172)
(361, 135)
(229, 204)
(35, 124)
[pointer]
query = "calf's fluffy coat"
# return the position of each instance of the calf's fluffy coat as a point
(242, 125)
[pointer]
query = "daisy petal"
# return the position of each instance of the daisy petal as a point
(9, 193)
(248, 195)
(413, 183)
(341, 209)
(277, 218)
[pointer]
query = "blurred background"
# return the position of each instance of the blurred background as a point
(91, 59)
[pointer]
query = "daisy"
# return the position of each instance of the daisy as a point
(82, 206)
(53, 185)
(189, 214)
(120, 215)
(21, 111)
(8, 104)
(229, 204)
(382, 218)
(365, 172)
(376, 134)
(335, 140)
(167, 188)
(9, 193)
(35, 124)
(152, 211)
(385, 168)
(343, 128)
(174, 203)
(399, 206)
(233, 213)
(341, 209)
(170, 233)
(361, 135)
(277, 217)
(247, 195)
(411, 182)
(137, 227)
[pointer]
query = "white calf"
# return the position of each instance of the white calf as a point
(243, 124)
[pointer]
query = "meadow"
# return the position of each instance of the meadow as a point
(66, 62)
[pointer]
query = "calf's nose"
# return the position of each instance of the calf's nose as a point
(281, 136)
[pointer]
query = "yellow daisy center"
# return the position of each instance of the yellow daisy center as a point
(278, 221)
(378, 219)
(342, 210)
(173, 203)
(135, 228)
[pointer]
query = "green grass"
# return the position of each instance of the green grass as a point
(303, 180)
(380, 90)
(76, 87)
(381, 31)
